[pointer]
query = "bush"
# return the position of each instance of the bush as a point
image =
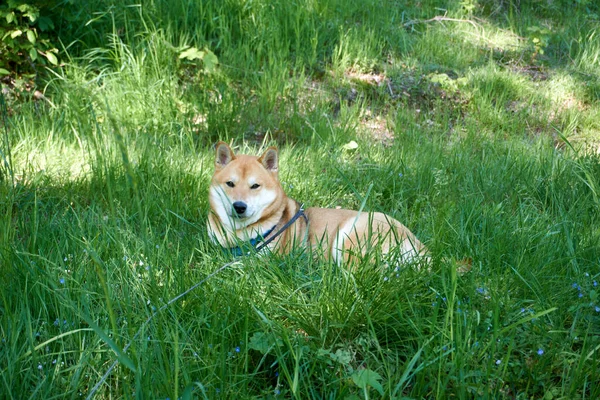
(25, 37)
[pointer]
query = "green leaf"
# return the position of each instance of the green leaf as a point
(263, 342)
(52, 58)
(366, 377)
(121, 356)
(526, 319)
(351, 145)
(31, 36)
(32, 15)
(10, 17)
(210, 61)
(4, 71)
(259, 342)
(342, 356)
(33, 54)
(45, 23)
(16, 33)
(192, 54)
(188, 392)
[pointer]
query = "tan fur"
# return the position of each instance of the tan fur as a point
(340, 234)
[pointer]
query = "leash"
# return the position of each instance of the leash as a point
(260, 242)
(299, 213)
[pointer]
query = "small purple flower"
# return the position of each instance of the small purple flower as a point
(498, 362)
(595, 283)
(540, 352)
(480, 290)
(523, 309)
(40, 367)
(62, 281)
(237, 349)
(580, 295)
(597, 308)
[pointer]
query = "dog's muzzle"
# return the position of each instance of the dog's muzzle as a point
(240, 208)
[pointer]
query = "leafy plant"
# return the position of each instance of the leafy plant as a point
(366, 378)
(25, 37)
(208, 58)
(540, 38)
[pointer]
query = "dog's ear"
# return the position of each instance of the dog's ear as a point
(270, 159)
(224, 155)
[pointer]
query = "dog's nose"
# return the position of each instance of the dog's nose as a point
(240, 207)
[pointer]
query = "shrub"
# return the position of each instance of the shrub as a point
(25, 37)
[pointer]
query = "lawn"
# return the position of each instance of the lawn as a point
(476, 123)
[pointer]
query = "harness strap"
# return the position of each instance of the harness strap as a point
(260, 242)
(299, 213)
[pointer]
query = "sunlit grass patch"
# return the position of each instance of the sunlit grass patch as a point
(587, 54)
(357, 50)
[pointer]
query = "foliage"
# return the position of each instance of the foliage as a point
(25, 37)
(207, 57)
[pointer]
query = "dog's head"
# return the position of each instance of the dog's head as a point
(244, 189)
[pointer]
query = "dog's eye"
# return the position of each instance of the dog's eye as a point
(255, 186)
(230, 184)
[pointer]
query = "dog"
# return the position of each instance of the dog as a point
(248, 205)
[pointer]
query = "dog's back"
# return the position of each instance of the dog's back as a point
(351, 234)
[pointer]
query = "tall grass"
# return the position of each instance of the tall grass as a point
(483, 146)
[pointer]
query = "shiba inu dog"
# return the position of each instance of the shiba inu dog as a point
(248, 204)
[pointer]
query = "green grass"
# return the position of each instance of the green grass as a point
(479, 133)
